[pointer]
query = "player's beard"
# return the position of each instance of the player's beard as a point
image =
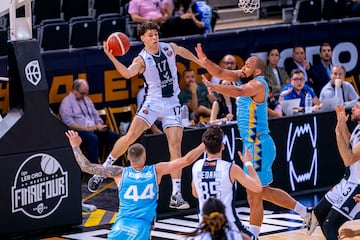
(247, 79)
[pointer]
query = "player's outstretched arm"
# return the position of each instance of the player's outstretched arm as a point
(164, 168)
(216, 70)
(112, 171)
(251, 181)
(127, 72)
(185, 53)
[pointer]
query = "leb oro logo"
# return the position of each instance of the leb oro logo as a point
(39, 186)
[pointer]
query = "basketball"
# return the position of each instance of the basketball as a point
(49, 164)
(119, 43)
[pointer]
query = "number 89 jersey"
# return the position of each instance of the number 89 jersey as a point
(138, 193)
(212, 180)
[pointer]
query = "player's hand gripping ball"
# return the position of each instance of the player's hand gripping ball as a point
(119, 43)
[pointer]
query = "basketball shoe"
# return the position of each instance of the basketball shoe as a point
(177, 201)
(310, 221)
(95, 181)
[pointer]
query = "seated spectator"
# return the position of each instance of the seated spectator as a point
(298, 61)
(214, 224)
(227, 62)
(274, 107)
(196, 96)
(160, 12)
(205, 15)
(223, 108)
(276, 76)
(78, 112)
(339, 88)
(322, 69)
(298, 89)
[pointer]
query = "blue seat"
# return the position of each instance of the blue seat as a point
(45, 9)
(83, 32)
(307, 11)
(71, 8)
(109, 23)
(53, 36)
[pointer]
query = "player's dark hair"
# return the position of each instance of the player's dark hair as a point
(147, 25)
(214, 220)
(212, 138)
(325, 44)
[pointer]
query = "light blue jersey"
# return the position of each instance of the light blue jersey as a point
(254, 130)
(252, 117)
(138, 195)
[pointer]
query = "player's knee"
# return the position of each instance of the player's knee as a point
(254, 199)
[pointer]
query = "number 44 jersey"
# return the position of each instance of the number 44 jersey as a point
(138, 193)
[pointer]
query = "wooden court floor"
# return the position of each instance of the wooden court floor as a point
(295, 235)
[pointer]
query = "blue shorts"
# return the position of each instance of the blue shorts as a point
(264, 152)
(130, 229)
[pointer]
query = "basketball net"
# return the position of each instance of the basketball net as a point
(249, 6)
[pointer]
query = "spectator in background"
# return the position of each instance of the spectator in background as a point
(204, 14)
(339, 88)
(196, 96)
(276, 76)
(322, 69)
(223, 108)
(274, 107)
(78, 112)
(184, 19)
(227, 62)
(141, 11)
(298, 89)
(160, 12)
(298, 61)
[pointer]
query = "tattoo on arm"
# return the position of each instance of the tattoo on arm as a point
(97, 169)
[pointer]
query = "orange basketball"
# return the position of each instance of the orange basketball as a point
(119, 43)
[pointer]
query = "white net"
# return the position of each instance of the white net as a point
(249, 6)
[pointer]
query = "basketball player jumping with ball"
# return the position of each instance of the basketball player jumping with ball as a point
(157, 63)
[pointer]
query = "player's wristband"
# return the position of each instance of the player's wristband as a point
(248, 164)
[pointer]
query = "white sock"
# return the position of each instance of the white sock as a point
(176, 186)
(254, 230)
(109, 160)
(300, 209)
